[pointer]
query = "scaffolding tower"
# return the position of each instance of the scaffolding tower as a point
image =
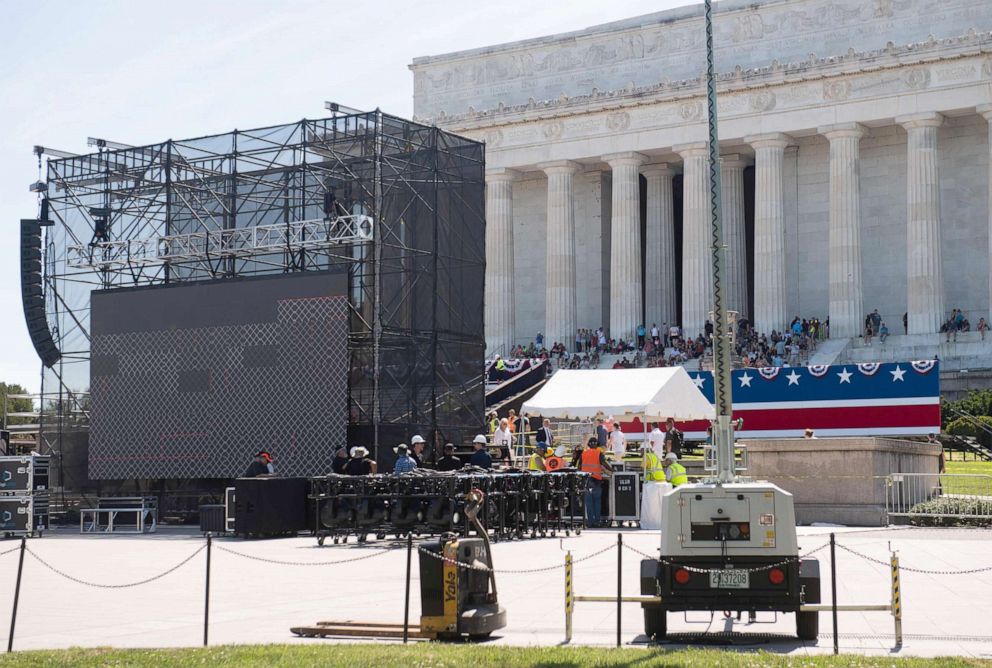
(397, 204)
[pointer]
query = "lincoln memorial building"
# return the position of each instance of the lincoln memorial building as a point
(854, 137)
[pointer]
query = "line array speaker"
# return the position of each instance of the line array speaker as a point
(33, 296)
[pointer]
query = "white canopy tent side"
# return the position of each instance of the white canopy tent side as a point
(647, 394)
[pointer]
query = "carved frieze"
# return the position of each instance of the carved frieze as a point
(756, 43)
(836, 90)
(618, 122)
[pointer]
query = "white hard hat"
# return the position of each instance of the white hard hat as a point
(560, 451)
(401, 446)
(417, 439)
(479, 439)
(671, 456)
(359, 451)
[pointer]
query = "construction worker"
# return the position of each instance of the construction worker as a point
(674, 472)
(493, 422)
(593, 462)
(654, 471)
(537, 462)
(556, 461)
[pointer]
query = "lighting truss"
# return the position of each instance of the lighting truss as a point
(244, 242)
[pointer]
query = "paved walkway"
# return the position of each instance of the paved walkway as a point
(256, 601)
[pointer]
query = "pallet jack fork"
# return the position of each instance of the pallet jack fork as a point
(459, 605)
(360, 630)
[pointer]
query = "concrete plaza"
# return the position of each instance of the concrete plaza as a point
(255, 601)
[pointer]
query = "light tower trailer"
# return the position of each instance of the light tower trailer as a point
(729, 547)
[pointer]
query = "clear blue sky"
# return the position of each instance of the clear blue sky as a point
(143, 71)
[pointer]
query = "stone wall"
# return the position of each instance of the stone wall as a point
(837, 480)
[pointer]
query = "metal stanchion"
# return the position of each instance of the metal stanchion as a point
(896, 599)
(619, 582)
(206, 597)
(568, 596)
(833, 589)
(17, 595)
(406, 603)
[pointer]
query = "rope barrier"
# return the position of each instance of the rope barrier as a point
(13, 549)
(99, 585)
(925, 571)
(378, 553)
(515, 571)
(757, 569)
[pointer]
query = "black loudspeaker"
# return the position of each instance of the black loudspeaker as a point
(270, 506)
(33, 296)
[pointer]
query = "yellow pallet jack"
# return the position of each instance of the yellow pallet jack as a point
(457, 592)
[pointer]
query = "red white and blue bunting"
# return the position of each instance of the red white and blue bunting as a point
(769, 372)
(818, 370)
(925, 366)
(869, 368)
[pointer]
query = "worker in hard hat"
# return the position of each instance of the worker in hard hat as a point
(536, 462)
(480, 457)
(556, 461)
(674, 472)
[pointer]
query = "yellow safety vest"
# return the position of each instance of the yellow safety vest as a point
(493, 426)
(678, 474)
(534, 465)
(653, 471)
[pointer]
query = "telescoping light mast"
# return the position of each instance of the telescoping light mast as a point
(723, 430)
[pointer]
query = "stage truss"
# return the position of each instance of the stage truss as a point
(398, 205)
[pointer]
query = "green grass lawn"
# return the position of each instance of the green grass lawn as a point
(958, 466)
(439, 656)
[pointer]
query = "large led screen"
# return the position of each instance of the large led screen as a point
(189, 381)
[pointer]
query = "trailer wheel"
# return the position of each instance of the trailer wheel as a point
(655, 622)
(807, 625)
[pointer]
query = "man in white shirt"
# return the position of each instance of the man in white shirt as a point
(503, 438)
(618, 442)
(657, 440)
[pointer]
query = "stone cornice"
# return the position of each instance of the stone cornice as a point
(776, 73)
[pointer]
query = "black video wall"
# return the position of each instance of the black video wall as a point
(188, 381)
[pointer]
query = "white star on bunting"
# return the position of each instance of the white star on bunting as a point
(746, 380)
(699, 380)
(793, 378)
(897, 374)
(845, 376)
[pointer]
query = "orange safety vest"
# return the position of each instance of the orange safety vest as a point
(554, 463)
(591, 463)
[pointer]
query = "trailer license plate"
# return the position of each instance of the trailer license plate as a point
(729, 579)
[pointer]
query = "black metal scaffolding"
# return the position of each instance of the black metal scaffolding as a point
(415, 288)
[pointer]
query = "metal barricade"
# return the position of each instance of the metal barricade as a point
(946, 495)
(573, 434)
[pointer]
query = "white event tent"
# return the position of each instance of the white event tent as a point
(648, 394)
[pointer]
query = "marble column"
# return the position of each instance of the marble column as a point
(732, 188)
(985, 110)
(924, 276)
(626, 283)
(845, 285)
(500, 289)
(659, 265)
(770, 311)
(559, 306)
(697, 261)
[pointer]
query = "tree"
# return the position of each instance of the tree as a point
(15, 405)
(976, 402)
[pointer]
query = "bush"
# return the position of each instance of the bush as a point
(951, 506)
